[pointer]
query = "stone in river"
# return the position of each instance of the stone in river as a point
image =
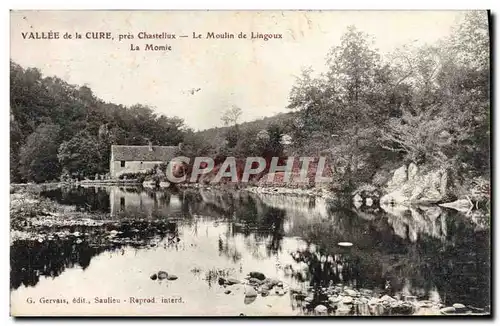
(343, 310)
(347, 300)
(250, 292)
(402, 309)
(334, 299)
(351, 293)
(387, 298)
(254, 280)
(232, 281)
(227, 291)
(249, 300)
(154, 277)
(258, 275)
(172, 277)
(162, 275)
(447, 310)
(222, 281)
(320, 309)
(458, 306)
(271, 282)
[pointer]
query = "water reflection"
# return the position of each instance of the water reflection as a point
(30, 259)
(426, 252)
(75, 247)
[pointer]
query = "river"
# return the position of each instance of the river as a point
(428, 252)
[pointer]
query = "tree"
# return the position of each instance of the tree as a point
(339, 111)
(422, 137)
(194, 145)
(38, 156)
(80, 155)
(446, 123)
(231, 116)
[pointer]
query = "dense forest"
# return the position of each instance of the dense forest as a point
(428, 104)
(57, 127)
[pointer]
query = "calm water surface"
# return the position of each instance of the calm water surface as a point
(427, 252)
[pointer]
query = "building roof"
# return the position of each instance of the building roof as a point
(143, 153)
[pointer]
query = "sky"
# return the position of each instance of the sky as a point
(255, 75)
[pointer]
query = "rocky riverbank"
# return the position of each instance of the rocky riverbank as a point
(412, 185)
(311, 192)
(321, 192)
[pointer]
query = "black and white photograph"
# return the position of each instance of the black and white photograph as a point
(250, 163)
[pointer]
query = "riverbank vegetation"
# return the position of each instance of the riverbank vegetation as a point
(367, 112)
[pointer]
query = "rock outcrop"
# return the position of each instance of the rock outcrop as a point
(413, 185)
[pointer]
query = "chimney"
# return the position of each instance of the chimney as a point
(150, 146)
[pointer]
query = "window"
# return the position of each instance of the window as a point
(122, 164)
(122, 203)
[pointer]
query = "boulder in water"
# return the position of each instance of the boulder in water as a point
(255, 281)
(232, 281)
(162, 275)
(459, 307)
(334, 299)
(350, 293)
(347, 300)
(271, 282)
(258, 275)
(387, 298)
(153, 277)
(320, 309)
(402, 309)
(250, 292)
(249, 300)
(172, 277)
(447, 310)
